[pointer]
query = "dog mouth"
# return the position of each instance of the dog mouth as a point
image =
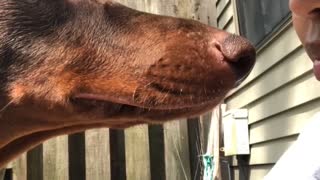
(109, 108)
(116, 108)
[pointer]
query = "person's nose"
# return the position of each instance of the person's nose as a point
(305, 8)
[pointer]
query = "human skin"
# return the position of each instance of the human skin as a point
(306, 21)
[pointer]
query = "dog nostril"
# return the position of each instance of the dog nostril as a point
(240, 54)
(242, 67)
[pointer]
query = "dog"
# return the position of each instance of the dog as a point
(71, 65)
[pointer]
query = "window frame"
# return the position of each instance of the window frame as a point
(285, 23)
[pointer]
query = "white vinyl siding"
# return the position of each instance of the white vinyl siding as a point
(281, 95)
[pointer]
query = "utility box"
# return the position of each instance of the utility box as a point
(236, 132)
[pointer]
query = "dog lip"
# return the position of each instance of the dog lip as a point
(119, 101)
(125, 103)
(97, 97)
(106, 108)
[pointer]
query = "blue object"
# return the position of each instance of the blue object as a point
(208, 167)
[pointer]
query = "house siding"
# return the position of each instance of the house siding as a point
(281, 94)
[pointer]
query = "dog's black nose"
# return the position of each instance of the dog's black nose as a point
(240, 54)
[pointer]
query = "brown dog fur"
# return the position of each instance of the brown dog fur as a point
(71, 65)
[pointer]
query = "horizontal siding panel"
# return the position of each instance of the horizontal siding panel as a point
(286, 124)
(289, 69)
(256, 172)
(222, 6)
(271, 151)
(225, 17)
(279, 48)
(231, 27)
(292, 95)
(268, 152)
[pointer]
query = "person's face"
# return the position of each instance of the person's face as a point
(306, 21)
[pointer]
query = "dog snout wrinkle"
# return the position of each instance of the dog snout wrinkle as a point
(72, 65)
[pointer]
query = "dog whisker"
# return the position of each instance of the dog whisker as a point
(5, 107)
(180, 160)
(165, 96)
(80, 66)
(134, 94)
(148, 84)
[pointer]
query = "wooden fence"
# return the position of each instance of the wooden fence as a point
(169, 152)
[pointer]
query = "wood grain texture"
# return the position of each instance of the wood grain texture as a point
(19, 168)
(97, 155)
(177, 151)
(137, 153)
(55, 153)
(2, 172)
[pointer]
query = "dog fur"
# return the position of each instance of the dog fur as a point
(71, 65)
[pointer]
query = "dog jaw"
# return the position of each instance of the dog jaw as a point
(78, 64)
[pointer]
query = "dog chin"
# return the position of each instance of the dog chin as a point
(101, 108)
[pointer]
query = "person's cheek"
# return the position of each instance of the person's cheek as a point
(301, 27)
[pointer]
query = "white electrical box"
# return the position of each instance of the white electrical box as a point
(236, 132)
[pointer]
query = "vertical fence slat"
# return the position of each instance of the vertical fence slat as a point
(156, 148)
(137, 153)
(55, 154)
(77, 164)
(2, 172)
(117, 155)
(205, 122)
(177, 151)
(195, 147)
(20, 168)
(35, 164)
(97, 155)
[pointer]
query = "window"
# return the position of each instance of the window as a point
(260, 18)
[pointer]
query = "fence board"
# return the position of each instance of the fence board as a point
(195, 147)
(137, 153)
(55, 153)
(2, 172)
(177, 151)
(20, 168)
(97, 155)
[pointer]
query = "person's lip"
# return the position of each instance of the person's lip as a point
(316, 68)
(313, 50)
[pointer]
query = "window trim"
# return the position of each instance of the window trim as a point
(235, 16)
(269, 38)
(281, 27)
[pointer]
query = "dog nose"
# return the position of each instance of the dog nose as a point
(240, 55)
